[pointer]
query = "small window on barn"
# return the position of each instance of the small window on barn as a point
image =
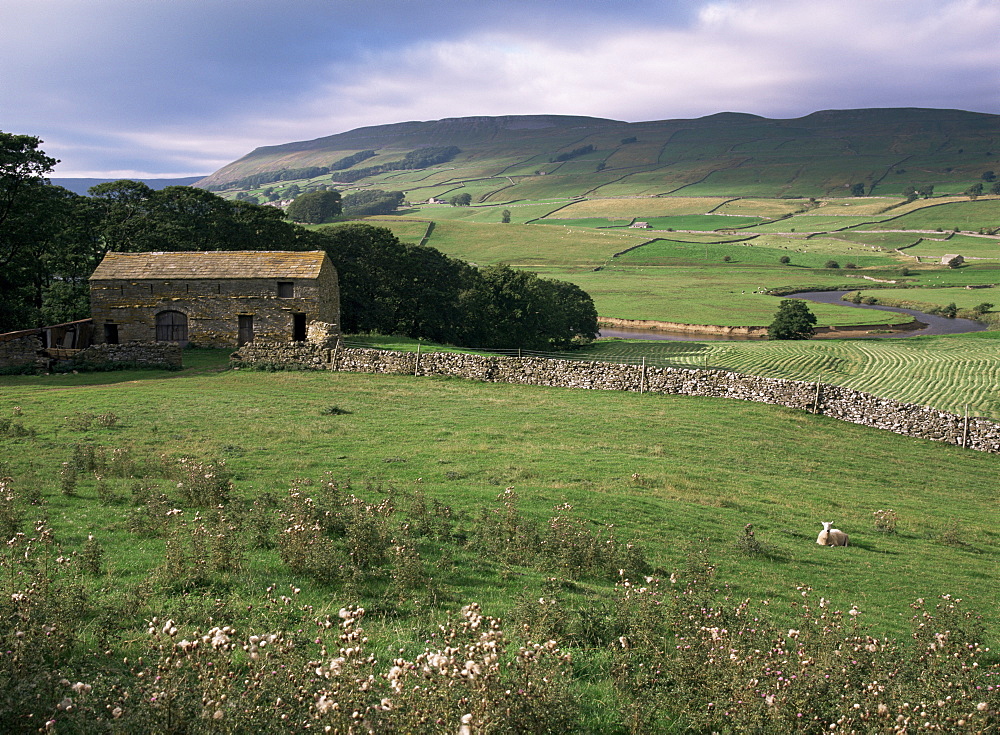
(286, 289)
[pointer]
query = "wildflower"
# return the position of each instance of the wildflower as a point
(464, 729)
(116, 712)
(981, 706)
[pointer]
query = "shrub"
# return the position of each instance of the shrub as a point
(784, 260)
(747, 544)
(831, 264)
(885, 520)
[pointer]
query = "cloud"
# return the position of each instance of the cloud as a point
(185, 86)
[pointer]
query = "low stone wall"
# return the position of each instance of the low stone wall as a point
(19, 351)
(161, 355)
(830, 400)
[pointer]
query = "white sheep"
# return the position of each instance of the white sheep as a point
(831, 536)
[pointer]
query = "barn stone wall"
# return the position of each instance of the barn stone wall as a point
(213, 307)
(830, 400)
(21, 352)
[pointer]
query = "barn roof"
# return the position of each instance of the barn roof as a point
(216, 265)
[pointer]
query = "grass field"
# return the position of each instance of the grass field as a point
(681, 472)
(723, 295)
(949, 373)
(445, 476)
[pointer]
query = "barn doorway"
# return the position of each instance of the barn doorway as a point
(298, 327)
(245, 329)
(172, 326)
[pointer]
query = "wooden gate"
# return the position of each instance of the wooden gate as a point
(171, 326)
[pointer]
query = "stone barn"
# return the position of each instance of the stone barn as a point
(215, 299)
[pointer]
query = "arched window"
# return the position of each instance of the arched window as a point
(171, 326)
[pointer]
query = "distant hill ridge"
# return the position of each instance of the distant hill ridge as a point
(81, 185)
(720, 153)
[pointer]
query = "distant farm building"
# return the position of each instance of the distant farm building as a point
(215, 299)
(640, 225)
(952, 261)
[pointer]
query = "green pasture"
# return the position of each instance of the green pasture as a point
(962, 215)
(968, 246)
(916, 298)
(808, 255)
(530, 245)
(641, 207)
(808, 223)
(487, 213)
(674, 474)
(595, 222)
(971, 274)
(722, 294)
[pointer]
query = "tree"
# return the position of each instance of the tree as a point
(505, 217)
(857, 190)
(47, 240)
(989, 177)
(461, 200)
(995, 189)
(314, 208)
(793, 320)
(975, 190)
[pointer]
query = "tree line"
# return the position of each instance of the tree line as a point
(52, 239)
(291, 174)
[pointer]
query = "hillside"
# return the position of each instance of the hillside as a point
(504, 159)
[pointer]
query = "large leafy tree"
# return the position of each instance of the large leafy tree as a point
(135, 218)
(395, 288)
(47, 242)
(314, 208)
(793, 320)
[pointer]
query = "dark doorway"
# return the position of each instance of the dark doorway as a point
(171, 326)
(298, 327)
(245, 329)
(111, 334)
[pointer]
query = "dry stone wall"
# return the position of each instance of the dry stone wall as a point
(21, 352)
(162, 355)
(830, 400)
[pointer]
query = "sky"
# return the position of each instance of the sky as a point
(170, 88)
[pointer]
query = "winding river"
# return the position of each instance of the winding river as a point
(929, 324)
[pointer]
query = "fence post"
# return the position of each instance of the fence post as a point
(642, 377)
(965, 430)
(336, 354)
(417, 366)
(816, 399)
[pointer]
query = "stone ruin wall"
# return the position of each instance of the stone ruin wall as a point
(21, 352)
(829, 400)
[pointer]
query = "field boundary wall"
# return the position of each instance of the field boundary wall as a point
(161, 355)
(834, 401)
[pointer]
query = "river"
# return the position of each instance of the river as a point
(932, 324)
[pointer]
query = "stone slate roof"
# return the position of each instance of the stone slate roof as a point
(215, 265)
